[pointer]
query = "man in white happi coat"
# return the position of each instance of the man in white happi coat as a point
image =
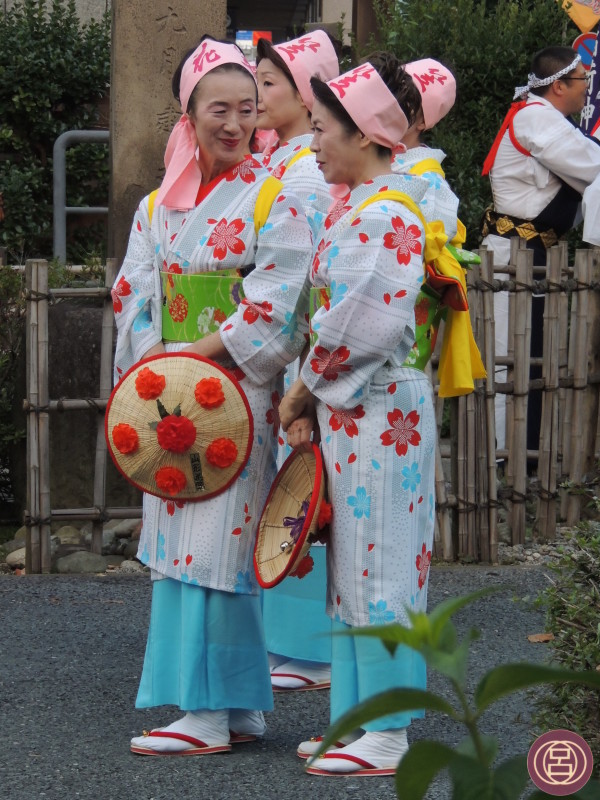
(539, 166)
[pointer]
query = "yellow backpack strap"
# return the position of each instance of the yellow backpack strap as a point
(392, 194)
(306, 151)
(151, 200)
(427, 165)
(266, 197)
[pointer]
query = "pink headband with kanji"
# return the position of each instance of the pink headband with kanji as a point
(371, 105)
(437, 87)
(312, 55)
(183, 177)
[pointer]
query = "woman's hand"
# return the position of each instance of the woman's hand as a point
(156, 350)
(297, 415)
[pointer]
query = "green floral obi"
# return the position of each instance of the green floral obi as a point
(195, 305)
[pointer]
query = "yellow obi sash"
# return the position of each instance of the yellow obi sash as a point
(444, 294)
(195, 305)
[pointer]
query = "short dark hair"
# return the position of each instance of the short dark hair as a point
(548, 62)
(265, 49)
(176, 80)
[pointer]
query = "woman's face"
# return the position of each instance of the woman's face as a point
(280, 106)
(224, 116)
(338, 153)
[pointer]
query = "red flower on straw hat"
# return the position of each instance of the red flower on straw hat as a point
(325, 514)
(170, 480)
(125, 438)
(221, 452)
(176, 433)
(149, 385)
(209, 393)
(303, 568)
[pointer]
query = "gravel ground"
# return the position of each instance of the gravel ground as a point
(70, 661)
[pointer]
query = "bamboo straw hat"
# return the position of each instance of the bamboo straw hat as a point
(290, 517)
(179, 426)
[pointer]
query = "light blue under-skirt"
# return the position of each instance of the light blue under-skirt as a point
(361, 667)
(205, 650)
(296, 625)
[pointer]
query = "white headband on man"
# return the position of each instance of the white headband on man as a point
(533, 81)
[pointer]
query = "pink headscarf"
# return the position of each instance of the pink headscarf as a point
(183, 177)
(310, 55)
(437, 87)
(371, 105)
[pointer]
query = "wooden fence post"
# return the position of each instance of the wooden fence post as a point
(522, 340)
(489, 361)
(579, 431)
(548, 454)
(32, 536)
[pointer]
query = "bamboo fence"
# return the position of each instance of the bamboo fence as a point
(474, 480)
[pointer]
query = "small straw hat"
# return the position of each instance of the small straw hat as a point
(179, 426)
(290, 517)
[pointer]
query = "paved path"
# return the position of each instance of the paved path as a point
(70, 660)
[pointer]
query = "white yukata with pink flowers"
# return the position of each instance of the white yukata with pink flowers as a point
(440, 202)
(210, 543)
(376, 417)
(300, 174)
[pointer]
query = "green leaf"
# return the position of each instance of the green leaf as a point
(509, 779)
(390, 636)
(390, 702)
(489, 744)
(161, 410)
(473, 781)
(419, 767)
(509, 678)
(441, 614)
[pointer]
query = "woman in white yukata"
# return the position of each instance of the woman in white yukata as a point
(437, 87)
(206, 651)
(299, 654)
(375, 415)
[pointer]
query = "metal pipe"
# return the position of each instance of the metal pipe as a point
(65, 140)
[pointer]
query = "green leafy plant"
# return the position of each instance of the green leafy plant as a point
(472, 764)
(572, 605)
(54, 71)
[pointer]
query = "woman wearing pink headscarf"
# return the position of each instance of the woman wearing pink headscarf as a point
(299, 655)
(375, 415)
(206, 651)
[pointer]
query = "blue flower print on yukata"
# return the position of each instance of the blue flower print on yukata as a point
(291, 326)
(331, 254)
(160, 549)
(243, 584)
(145, 557)
(143, 320)
(361, 503)
(434, 179)
(185, 578)
(338, 290)
(379, 614)
(412, 477)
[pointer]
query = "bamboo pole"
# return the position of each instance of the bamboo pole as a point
(70, 292)
(83, 404)
(592, 400)
(32, 536)
(461, 474)
(131, 512)
(579, 432)
(548, 456)
(43, 418)
(516, 245)
(522, 344)
(568, 348)
(483, 496)
(106, 354)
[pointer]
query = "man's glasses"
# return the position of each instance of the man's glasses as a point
(586, 78)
